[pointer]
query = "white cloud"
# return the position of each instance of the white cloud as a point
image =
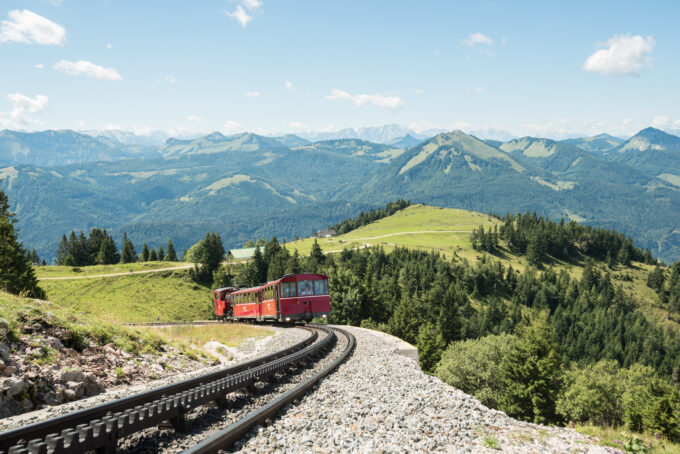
(40, 66)
(113, 127)
(142, 131)
(252, 94)
(475, 91)
(624, 55)
(661, 121)
(170, 79)
(86, 68)
(240, 15)
(27, 27)
(504, 41)
(676, 123)
(296, 126)
(233, 127)
(109, 46)
(419, 91)
(289, 86)
(23, 105)
(252, 4)
(389, 102)
(194, 119)
(478, 38)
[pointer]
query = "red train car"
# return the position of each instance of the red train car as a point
(294, 297)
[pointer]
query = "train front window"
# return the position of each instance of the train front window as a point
(288, 289)
(321, 287)
(305, 288)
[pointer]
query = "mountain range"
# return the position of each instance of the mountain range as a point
(246, 185)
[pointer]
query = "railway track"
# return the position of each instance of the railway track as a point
(103, 428)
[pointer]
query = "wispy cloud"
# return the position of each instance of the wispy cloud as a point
(252, 94)
(478, 38)
(40, 66)
(624, 55)
(233, 127)
(86, 68)
(289, 86)
(170, 79)
(475, 91)
(24, 26)
(243, 12)
(388, 102)
(22, 106)
(661, 121)
(419, 91)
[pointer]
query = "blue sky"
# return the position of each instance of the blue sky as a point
(531, 68)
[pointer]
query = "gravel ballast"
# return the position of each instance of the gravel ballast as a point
(380, 401)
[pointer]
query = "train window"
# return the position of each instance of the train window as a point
(288, 289)
(321, 287)
(306, 288)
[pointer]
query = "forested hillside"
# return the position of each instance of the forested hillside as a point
(537, 340)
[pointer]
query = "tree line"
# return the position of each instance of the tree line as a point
(540, 239)
(99, 248)
(366, 217)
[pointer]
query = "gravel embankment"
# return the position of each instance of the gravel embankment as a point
(380, 401)
(208, 420)
(283, 337)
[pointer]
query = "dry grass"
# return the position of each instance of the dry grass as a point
(231, 334)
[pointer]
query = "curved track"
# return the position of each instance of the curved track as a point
(99, 428)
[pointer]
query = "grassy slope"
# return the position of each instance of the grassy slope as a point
(427, 218)
(163, 296)
(70, 271)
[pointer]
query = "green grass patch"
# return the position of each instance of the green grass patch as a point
(95, 270)
(625, 440)
(163, 296)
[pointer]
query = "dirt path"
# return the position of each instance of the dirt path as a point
(183, 267)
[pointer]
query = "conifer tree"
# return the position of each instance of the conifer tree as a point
(128, 255)
(62, 250)
(108, 252)
(171, 255)
(145, 253)
(16, 273)
(161, 253)
(316, 257)
(153, 255)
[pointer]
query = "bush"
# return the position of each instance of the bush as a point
(593, 395)
(473, 366)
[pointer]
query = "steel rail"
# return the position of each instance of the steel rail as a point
(221, 441)
(98, 428)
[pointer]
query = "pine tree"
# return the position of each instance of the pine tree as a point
(171, 255)
(153, 255)
(145, 253)
(108, 252)
(316, 257)
(128, 255)
(16, 273)
(532, 373)
(62, 251)
(161, 253)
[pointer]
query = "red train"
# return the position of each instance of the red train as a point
(294, 297)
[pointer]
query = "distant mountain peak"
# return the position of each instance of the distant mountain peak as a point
(651, 139)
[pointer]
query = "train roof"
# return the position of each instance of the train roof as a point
(285, 278)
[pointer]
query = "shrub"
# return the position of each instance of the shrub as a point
(593, 394)
(473, 366)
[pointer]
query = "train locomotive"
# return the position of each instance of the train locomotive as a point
(294, 297)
